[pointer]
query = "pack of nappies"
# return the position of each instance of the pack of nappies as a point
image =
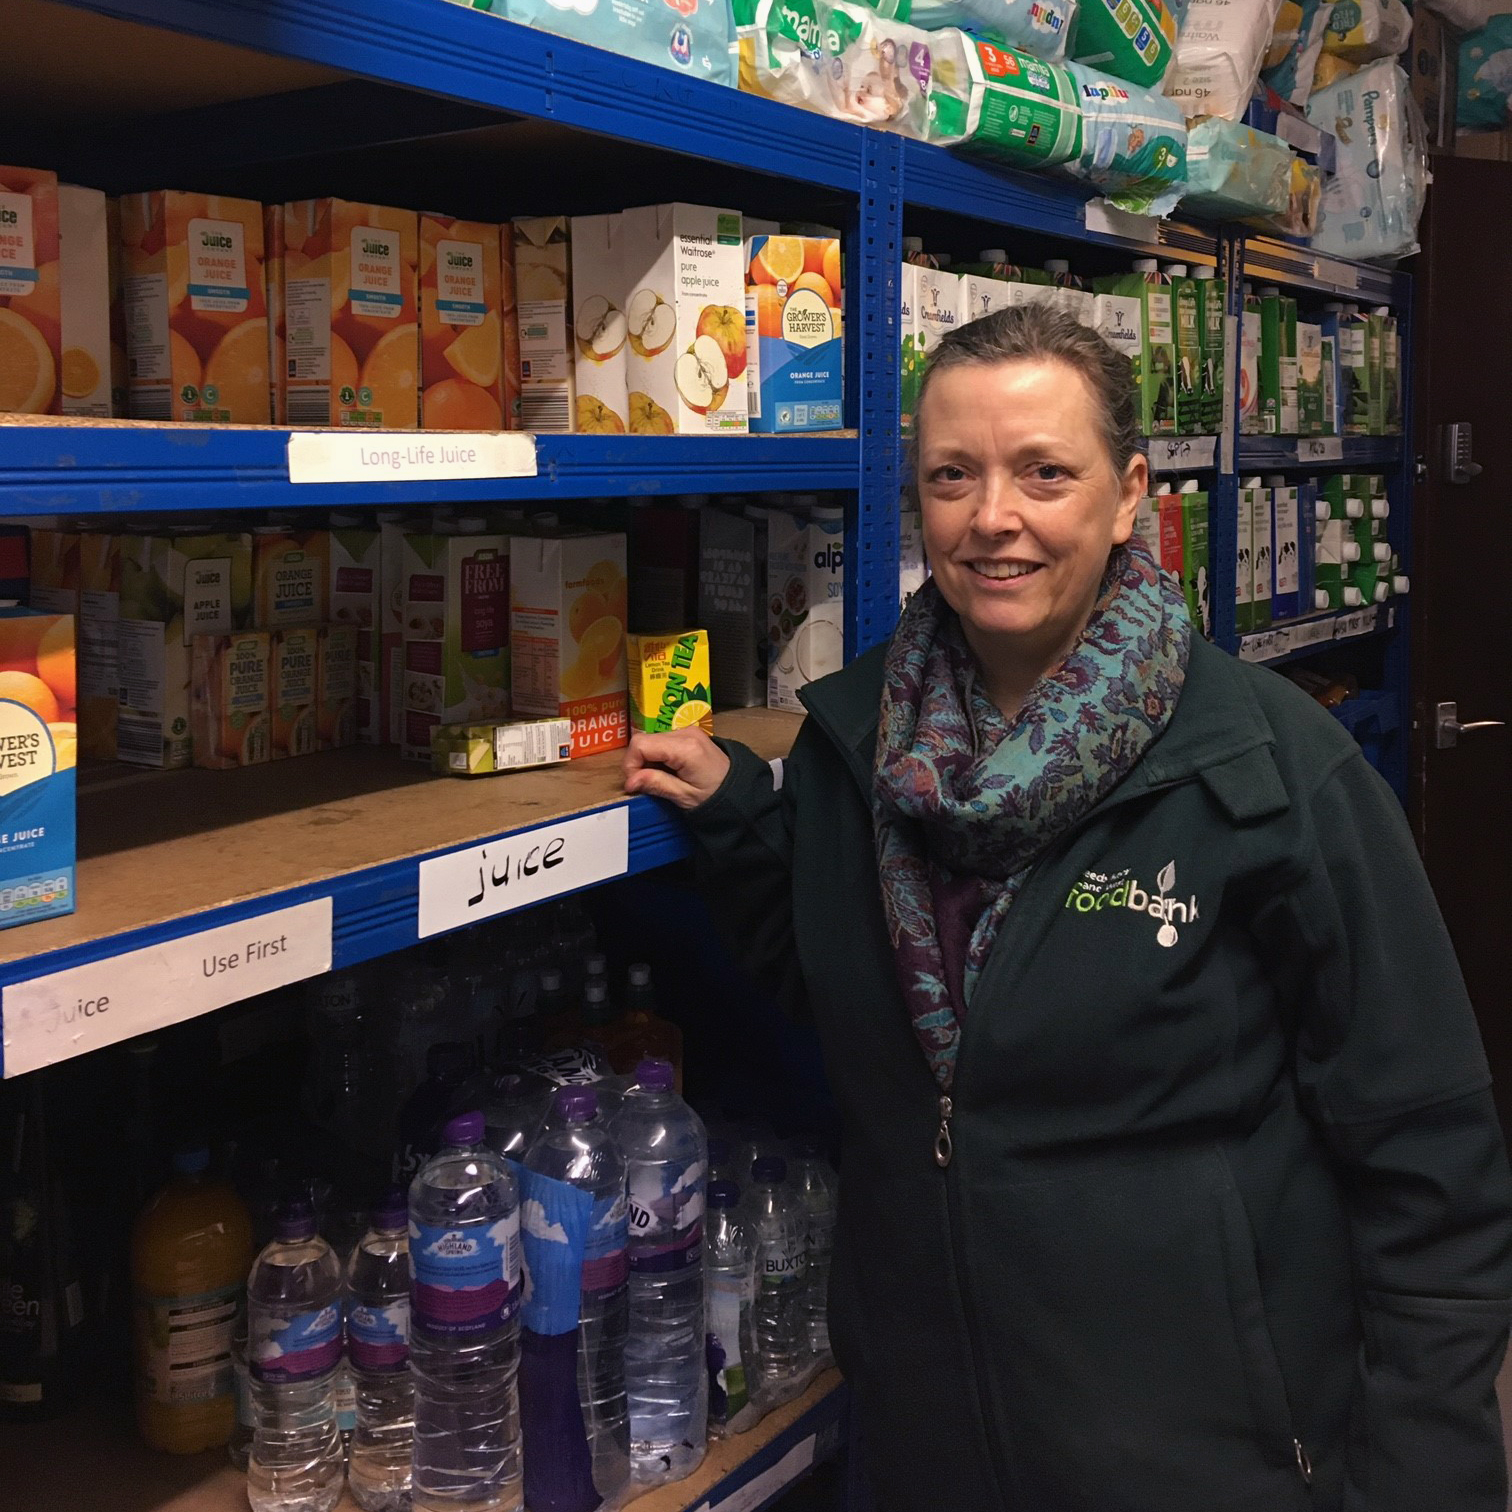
(1485, 76)
(1362, 30)
(1130, 39)
(1039, 27)
(1296, 45)
(1133, 143)
(1219, 55)
(1002, 104)
(1234, 171)
(697, 38)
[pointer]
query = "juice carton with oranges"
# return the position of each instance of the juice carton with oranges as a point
(31, 312)
(84, 270)
(351, 314)
(38, 755)
(356, 603)
(548, 394)
(567, 635)
(228, 708)
(295, 676)
(196, 308)
(599, 334)
(278, 354)
(669, 682)
(794, 375)
(685, 320)
(461, 340)
(290, 576)
(509, 323)
(336, 686)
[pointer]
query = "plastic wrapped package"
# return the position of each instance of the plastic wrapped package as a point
(1130, 39)
(1468, 15)
(998, 103)
(698, 38)
(1039, 27)
(1485, 76)
(1304, 210)
(1219, 55)
(1235, 171)
(1362, 30)
(1331, 68)
(1133, 143)
(1372, 202)
(752, 19)
(1295, 47)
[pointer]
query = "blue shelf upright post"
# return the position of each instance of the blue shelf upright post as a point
(1223, 500)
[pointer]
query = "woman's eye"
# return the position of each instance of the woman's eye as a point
(1049, 472)
(950, 473)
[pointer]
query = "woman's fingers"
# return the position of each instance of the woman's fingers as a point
(685, 767)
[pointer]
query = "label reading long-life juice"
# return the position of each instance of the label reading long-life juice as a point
(378, 1337)
(467, 1277)
(185, 1345)
(300, 1348)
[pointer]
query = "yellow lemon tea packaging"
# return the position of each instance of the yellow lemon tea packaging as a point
(295, 691)
(229, 702)
(567, 635)
(38, 755)
(670, 682)
(336, 686)
(31, 335)
(543, 287)
(461, 338)
(351, 314)
(196, 308)
(600, 336)
(290, 576)
(478, 750)
(84, 273)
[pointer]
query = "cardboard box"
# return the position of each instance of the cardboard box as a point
(84, 271)
(336, 686)
(99, 634)
(295, 675)
(1432, 64)
(31, 309)
(1488, 146)
(290, 576)
(509, 328)
(229, 700)
(600, 292)
(805, 602)
(543, 287)
(728, 603)
(278, 331)
(461, 330)
(670, 682)
(356, 601)
(795, 379)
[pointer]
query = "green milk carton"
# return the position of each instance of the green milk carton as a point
(1212, 296)
(1184, 550)
(1155, 368)
(1186, 315)
(1309, 379)
(1278, 363)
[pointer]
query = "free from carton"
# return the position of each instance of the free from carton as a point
(670, 682)
(795, 380)
(38, 738)
(805, 601)
(31, 311)
(84, 270)
(229, 701)
(336, 686)
(567, 635)
(352, 317)
(196, 308)
(727, 605)
(509, 328)
(290, 576)
(461, 335)
(688, 351)
(356, 602)
(1212, 294)
(600, 331)
(278, 332)
(1156, 365)
(1184, 550)
(295, 679)
(663, 544)
(98, 632)
(173, 587)
(543, 287)
(1186, 313)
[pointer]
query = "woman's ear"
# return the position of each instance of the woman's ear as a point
(1134, 486)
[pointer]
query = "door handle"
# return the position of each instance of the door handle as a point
(1447, 728)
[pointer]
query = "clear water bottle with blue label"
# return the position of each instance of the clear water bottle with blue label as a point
(575, 1234)
(730, 1289)
(464, 1230)
(666, 1158)
(378, 1316)
(293, 1352)
(781, 1263)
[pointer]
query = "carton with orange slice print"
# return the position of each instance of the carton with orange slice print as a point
(196, 308)
(84, 271)
(351, 314)
(228, 710)
(119, 403)
(295, 678)
(567, 635)
(795, 380)
(38, 757)
(461, 340)
(273, 273)
(543, 273)
(599, 333)
(31, 335)
(509, 323)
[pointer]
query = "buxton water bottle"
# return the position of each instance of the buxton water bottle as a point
(778, 1219)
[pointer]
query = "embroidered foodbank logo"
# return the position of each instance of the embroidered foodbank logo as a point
(1098, 891)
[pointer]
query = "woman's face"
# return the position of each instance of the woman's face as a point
(1021, 503)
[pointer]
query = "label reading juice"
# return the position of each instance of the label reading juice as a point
(378, 1337)
(185, 1345)
(281, 1350)
(218, 266)
(460, 297)
(377, 286)
(467, 1279)
(18, 252)
(207, 598)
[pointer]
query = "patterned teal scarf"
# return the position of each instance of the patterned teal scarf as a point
(964, 803)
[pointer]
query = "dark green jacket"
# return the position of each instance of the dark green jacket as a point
(1223, 1205)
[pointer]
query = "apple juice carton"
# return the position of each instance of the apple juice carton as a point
(336, 684)
(1186, 316)
(461, 338)
(228, 706)
(290, 576)
(794, 299)
(548, 396)
(356, 603)
(295, 674)
(173, 587)
(509, 329)
(99, 632)
(31, 312)
(600, 332)
(727, 605)
(567, 636)
(1184, 550)
(1309, 379)
(278, 332)
(1250, 422)
(196, 308)
(1156, 366)
(684, 267)
(1212, 295)
(84, 273)
(352, 317)
(670, 682)
(1286, 549)
(38, 757)
(806, 601)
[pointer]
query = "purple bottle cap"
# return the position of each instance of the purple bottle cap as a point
(769, 1168)
(391, 1211)
(723, 1194)
(576, 1104)
(654, 1076)
(295, 1220)
(464, 1129)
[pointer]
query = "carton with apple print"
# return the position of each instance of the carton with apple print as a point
(685, 320)
(598, 294)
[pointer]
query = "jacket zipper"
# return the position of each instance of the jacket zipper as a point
(943, 1148)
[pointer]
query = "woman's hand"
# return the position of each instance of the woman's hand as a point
(685, 767)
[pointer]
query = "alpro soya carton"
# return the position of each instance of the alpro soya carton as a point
(1156, 365)
(461, 336)
(31, 355)
(84, 274)
(1278, 363)
(794, 375)
(290, 576)
(1186, 314)
(1212, 296)
(356, 602)
(38, 755)
(686, 315)
(196, 308)
(228, 705)
(806, 601)
(543, 287)
(600, 332)
(1286, 548)
(1184, 549)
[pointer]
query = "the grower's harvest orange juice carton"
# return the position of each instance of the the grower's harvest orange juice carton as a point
(336, 686)
(351, 314)
(98, 632)
(543, 287)
(229, 702)
(290, 576)
(273, 273)
(356, 602)
(295, 675)
(196, 308)
(669, 682)
(794, 378)
(31, 334)
(461, 338)
(509, 321)
(84, 268)
(567, 635)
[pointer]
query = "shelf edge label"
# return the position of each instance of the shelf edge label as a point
(82, 1008)
(793, 1465)
(518, 870)
(409, 456)
(1179, 453)
(1320, 449)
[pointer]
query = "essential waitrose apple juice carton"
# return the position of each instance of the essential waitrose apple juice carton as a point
(599, 284)
(31, 314)
(356, 602)
(567, 636)
(84, 273)
(543, 286)
(229, 700)
(461, 335)
(806, 601)
(290, 576)
(687, 349)
(795, 380)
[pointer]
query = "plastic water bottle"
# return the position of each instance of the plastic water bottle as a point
(464, 1326)
(512, 1115)
(378, 1315)
(293, 1351)
(730, 1282)
(812, 1177)
(666, 1157)
(576, 1420)
(778, 1219)
(425, 1113)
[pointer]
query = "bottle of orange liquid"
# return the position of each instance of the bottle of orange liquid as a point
(191, 1250)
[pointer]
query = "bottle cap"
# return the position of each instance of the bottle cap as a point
(576, 1104)
(1145, 265)
(597, 1008)
(1202, 274)
(391, 1211)
(912, 245)
(1176, 270)
(640, 975)
(191, 1160)
(991, 254)
(1057, 265)
(464, 1129)
(654, 1075)
(769, 1168)
(595, 964)
(1320, 598)
(551, 981)
(295, 1220)
(1322, 510)
(722, 1194)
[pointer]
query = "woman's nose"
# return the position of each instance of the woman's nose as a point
(999, 511)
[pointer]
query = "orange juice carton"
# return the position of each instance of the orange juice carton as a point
(356, 603)
(295, 678)
(278, 344)
(351, 314)
(509, 323)
(31, 332)
(456, 630)
(290, 576)
(461, 338)
(98, 632)
(337, 686)
(478, 750)
(229, 702)
(196, 308)
(599, 333)
(84, 272)
(686, 320)
(38, 755)
(567, 635)
(670, 682)
(663, 545)
(173, 587)
(548, 395)
(118, 367)
(793, 302)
